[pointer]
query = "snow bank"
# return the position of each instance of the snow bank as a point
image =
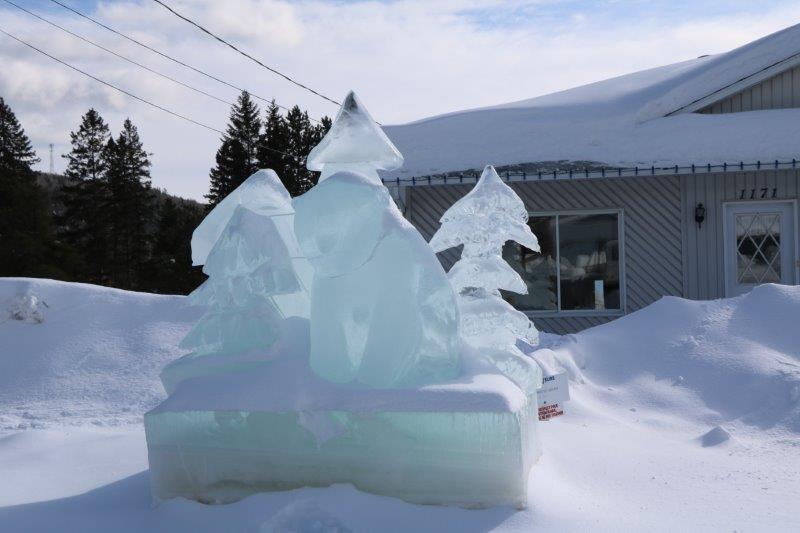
(638, 450)
(731, 361)
(95, 357)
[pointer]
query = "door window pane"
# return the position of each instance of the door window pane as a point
(537, 269)
(589, 261)
(758, 248)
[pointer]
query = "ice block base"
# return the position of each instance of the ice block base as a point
(468, 459)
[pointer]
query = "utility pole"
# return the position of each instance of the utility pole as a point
(52, 165)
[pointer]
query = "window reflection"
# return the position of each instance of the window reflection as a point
(537, 269)
(586, 249)
(589, 253)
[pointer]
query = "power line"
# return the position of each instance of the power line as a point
(123, 91)
(118, 55)
(245, 54)
(166, 56)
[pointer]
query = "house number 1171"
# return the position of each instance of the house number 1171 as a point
(754, 194)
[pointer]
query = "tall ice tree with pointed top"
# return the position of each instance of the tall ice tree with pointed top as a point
(382, 311)
(249, 264)
(483, 221)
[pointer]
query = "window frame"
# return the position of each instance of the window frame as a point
(623, 285)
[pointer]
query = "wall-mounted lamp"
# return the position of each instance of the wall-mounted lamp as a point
(700, 215)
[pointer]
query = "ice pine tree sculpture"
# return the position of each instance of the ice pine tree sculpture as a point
(382, 311)
(372, 386)
(251, 265)
(483, 221)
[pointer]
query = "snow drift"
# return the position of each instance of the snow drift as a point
(95, 357)
(725, 361)
(637, 450)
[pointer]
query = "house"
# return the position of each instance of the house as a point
(680, 180)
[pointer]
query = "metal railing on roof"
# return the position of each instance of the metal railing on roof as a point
(593, 173)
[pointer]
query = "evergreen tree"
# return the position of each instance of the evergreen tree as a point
(84, 221)
(129, 206)
(299, 139)
(170, 269)
(315, 136)
(238, 156)
(16, 154)
(274, 144)
(27, 247)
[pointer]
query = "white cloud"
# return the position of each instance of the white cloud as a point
(407, 60)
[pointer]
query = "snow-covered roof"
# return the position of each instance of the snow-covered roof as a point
(639, 119)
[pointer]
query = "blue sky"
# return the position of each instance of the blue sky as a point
(406, 59)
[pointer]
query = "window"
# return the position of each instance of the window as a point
(578, 269)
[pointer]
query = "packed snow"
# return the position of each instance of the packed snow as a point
(94, 358)
(617, 122)
(684, 416)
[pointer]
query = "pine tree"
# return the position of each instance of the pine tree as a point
(299, 144)
(316, 135)
(84, 221)
(27, 247)
(129, 206)
(238, 156)
(16, 154)
(170, 269)
(274, 144)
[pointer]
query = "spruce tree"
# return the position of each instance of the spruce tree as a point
(170, 269)
(27, 247)
(299, 145)
(130, 209)
(16, 153)
(238, 156)
(84, 221)
(274, 144)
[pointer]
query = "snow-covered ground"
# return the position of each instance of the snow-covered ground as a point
(685, 416)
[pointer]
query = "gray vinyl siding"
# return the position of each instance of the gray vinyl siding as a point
(703, 249)
(652, 212)
(778, 92)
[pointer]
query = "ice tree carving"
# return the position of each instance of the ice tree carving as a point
(249, 265)
(382, 311)
(483, 221)
(355, 143)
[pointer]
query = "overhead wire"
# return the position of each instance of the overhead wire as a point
(167, 56)
(131, 61)
(127, 93)
(245, 54)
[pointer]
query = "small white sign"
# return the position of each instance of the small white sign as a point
(552, 395)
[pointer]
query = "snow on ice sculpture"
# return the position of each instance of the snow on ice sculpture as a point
(251, 265)
(382, 311)
(349, 408)
(483, 221)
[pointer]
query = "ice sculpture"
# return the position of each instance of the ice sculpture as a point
(255, 280)
(354, 143)
(372, 387)
(483, 220)
(382, 311)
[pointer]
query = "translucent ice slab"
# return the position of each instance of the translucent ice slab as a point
(469, 442)
(465, 459)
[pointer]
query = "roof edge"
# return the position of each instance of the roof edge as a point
(739, 85)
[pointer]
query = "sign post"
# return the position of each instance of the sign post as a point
(552, 395)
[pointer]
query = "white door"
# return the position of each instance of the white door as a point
(760, 245)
